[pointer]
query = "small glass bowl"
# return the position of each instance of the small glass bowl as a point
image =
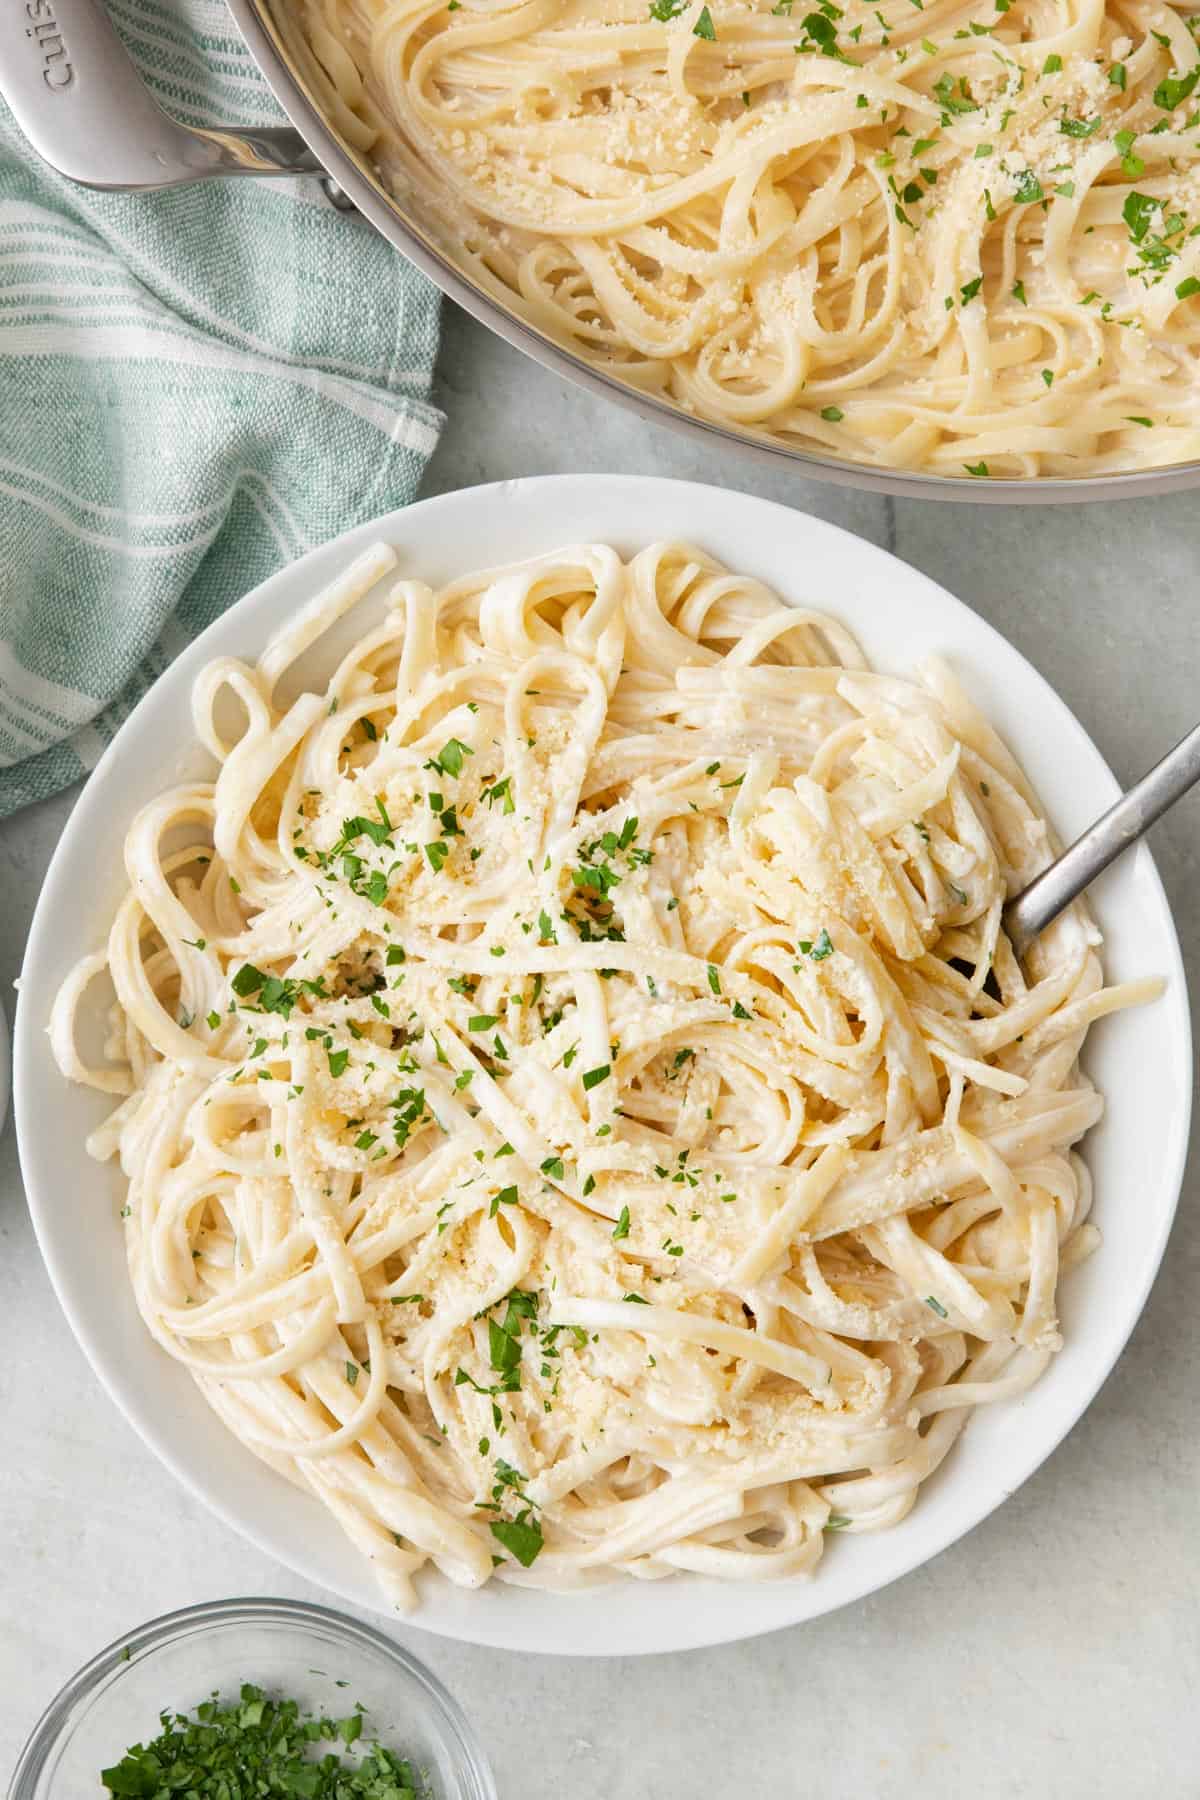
(324, 1660)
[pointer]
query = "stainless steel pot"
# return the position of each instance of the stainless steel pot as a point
(80, 101)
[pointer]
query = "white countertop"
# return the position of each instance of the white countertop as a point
(1056, 1650)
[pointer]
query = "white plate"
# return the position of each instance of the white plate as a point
(1141, 1059)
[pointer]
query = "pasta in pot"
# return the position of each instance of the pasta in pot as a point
(947, 235)
(582, 1115)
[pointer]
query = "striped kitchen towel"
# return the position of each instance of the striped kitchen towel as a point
(195, 387)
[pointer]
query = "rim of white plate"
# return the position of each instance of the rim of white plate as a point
(5, 1067)
(905, 615)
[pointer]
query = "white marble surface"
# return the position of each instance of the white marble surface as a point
(1056, 1651)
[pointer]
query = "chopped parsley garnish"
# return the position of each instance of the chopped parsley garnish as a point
(500, 793)
(952, 98)
(258, 1746)
(408, 1109)
(449, 759)
(621, 1228)
(704, 27)
(378, 830)
(821, 32)
(275, 994)
(593, 1077)
(504, 1348)
(1174, 90)
(1027, 189)
(834, 414)
(521, 1538)
(936, 1306)
(1137, 212)
(596, 877)
(601, 877)
(1131, 165)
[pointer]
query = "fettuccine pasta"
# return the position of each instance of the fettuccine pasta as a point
(580, 1110)
(947, 235)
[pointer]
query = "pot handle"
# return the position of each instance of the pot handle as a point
(77, 96)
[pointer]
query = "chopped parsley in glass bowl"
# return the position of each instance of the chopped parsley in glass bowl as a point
(279, 1686)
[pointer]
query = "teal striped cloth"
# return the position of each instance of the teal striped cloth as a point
(194, 388)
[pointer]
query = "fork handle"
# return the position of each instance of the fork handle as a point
(1124, 822)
